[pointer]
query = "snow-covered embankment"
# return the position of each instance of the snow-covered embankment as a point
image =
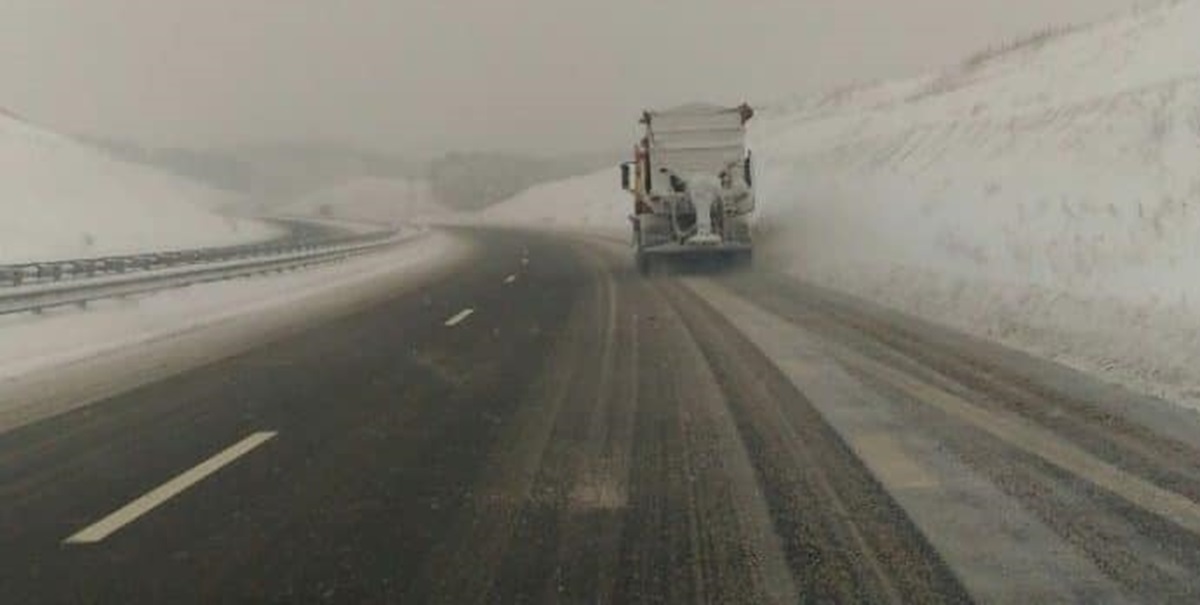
(61, 199)
(1047, 196)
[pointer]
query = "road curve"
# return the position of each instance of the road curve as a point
(544, 425)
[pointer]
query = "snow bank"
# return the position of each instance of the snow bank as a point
(370, 200)
(593, 202)
(60, 199)
(1047, 195)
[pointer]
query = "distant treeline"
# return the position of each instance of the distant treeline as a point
(270, 172)
(281, 172)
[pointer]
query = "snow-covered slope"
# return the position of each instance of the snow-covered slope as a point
(370, 200)
(593, 202)
(60, 199)
(1046, 194)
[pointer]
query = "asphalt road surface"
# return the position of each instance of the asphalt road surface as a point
(543, 425)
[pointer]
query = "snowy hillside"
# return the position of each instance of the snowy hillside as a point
(60, 199)
(1045, 194)
(370, 200)
(593, 202)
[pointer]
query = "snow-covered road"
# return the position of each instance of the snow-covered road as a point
(738, 437)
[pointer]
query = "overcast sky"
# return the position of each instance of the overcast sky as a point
(426, 76)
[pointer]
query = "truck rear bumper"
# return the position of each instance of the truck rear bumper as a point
(696, 250)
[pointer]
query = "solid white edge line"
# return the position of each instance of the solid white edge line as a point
(155, 497)
(458, 317)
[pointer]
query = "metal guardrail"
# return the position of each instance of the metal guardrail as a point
(16, 275)
(159, 271)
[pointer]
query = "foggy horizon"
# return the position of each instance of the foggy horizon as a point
(416, 79)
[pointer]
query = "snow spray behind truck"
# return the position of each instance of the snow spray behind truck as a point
(692, 185)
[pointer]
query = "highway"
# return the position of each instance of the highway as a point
(540, 424)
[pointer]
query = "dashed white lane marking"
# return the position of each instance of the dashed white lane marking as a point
(155, 497)
(458, 317)
(510, 279)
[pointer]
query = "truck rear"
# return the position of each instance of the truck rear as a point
(692, 184)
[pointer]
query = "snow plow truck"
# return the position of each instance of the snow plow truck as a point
(692, 182)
